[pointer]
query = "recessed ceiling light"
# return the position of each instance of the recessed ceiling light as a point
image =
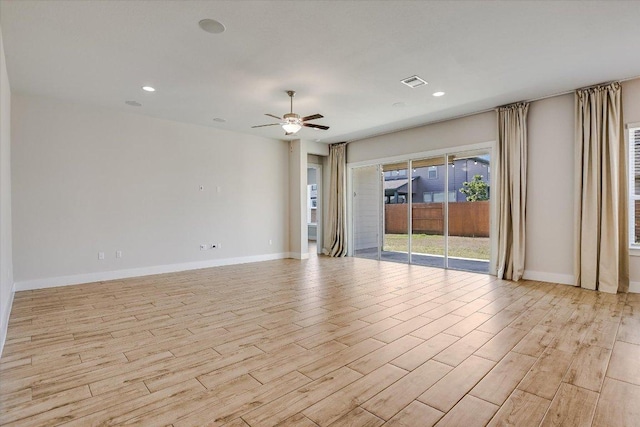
(211, 26)
(133, 103)
(148, 89)
(438, 93)
(219, 120)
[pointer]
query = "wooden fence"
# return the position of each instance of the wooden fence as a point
(469, 219)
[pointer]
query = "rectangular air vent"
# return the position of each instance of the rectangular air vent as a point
(414, 81)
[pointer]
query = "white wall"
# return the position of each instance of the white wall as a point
(453, 133)
(298, 233)
(550, 190)
(87, 180)
(550, 198)
(6, 263)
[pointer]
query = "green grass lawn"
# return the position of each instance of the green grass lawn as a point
(463, 247)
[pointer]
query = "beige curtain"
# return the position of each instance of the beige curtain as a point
(512, 197)
(602, 251)
(336, 234)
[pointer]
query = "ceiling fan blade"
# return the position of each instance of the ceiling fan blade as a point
(312, 117)
(311, 125)
(261, 126)
(274, 116)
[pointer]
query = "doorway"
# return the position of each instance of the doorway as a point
(314, 207)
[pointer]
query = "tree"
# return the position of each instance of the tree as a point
(476, 190)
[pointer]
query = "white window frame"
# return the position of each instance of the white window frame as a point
(630, 129)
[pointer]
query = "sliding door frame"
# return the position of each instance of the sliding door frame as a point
(490, 146)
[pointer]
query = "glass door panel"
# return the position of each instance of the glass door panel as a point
(396, 186)
(468, 241)
(366, 211)
(427, 212)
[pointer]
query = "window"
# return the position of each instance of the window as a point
(634, 186)
(427, 197)
(432, 172)
(438, 197)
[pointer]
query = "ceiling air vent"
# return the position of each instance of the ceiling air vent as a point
(413, 82)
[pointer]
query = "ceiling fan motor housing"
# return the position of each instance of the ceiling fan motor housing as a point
(291, 117)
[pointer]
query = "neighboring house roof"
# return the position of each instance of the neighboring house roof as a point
(395, 184)
(391, 186)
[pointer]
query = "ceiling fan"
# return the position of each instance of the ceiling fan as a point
(292, 122)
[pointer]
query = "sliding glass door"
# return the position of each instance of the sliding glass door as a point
(427, 212)
(432, 211)
(468, 242)
(396, 196)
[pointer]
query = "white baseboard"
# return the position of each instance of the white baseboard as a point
(77, 279)
(567, 279)
(541, 276)
(5, 319)
(298, 255)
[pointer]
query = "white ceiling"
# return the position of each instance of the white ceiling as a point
(344, 58)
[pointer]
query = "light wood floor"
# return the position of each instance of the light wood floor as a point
(321, 342)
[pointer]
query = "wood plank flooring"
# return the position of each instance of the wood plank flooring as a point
(321, 342)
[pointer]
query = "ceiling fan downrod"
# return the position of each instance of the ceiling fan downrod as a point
(291, 94)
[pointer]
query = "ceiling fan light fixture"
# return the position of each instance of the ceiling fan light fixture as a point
(291, 127)
(291, 122)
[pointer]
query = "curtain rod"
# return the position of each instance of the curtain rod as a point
(585, 87)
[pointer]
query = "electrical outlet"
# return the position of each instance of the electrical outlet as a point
(215, 246)
(203, 247)
(100, 255)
